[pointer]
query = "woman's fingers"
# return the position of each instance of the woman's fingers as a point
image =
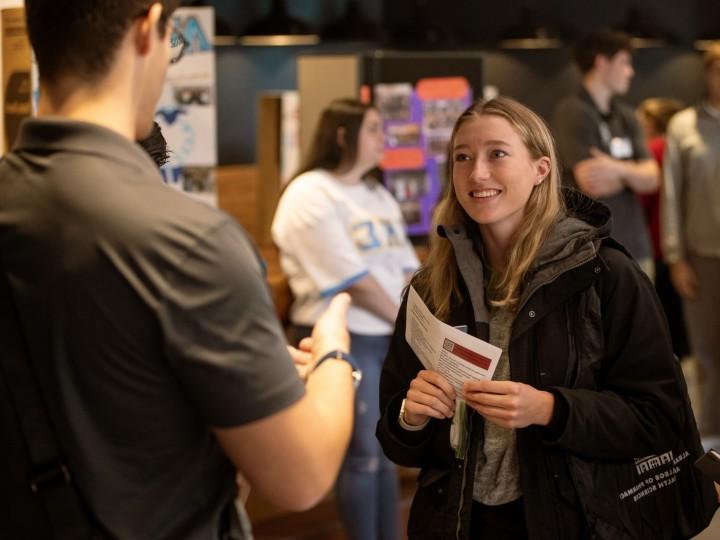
(438, 381)
(416, 413)
(430, 395)
(510, 404)
(427, 404)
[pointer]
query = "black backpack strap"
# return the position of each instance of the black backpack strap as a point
(48, 475)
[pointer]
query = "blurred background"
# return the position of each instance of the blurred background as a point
(524, 44)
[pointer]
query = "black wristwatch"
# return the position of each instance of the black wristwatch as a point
(340, 355)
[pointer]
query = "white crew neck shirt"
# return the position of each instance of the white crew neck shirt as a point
(332, 234)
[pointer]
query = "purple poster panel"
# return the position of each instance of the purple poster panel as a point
(418, 122)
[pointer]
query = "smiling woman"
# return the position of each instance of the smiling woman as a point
(535, 273)
(505, 177)
(493, 177)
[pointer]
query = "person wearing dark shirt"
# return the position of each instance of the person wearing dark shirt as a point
(149, 326)
(601, 143)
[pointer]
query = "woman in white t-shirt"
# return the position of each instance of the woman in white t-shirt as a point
(339, 230)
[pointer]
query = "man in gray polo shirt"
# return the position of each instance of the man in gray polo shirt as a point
(601, 142)
(150, 329)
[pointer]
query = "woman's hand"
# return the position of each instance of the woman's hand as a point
(429, 396)
(510, 404)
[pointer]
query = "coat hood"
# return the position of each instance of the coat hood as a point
(576, 236)
(574, 240)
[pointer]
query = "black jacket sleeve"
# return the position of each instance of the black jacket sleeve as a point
(635, 408)
(425, 448)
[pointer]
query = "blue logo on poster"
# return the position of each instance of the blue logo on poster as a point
(169, 115)
(196, 39)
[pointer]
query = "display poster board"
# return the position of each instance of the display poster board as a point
(187, 109)
(418, 121)
(16, 74)
(419, 96)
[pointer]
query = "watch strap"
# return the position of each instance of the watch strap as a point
(341, 355)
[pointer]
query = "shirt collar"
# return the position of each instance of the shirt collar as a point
(63, 135)
(585, 96)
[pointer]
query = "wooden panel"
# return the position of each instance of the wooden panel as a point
(268, 159)
(238, 194)
(279, 288)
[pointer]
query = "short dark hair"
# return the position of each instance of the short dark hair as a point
(601, 42)
(156, 146)
(325, 151)
(81, 37)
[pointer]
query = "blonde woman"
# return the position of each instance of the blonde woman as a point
(586, 379)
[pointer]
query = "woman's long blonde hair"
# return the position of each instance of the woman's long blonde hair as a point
(438, 280)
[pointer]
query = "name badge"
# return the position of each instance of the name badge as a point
(621, 148)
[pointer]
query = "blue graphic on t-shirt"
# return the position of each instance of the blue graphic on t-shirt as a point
(364, 235)
(393, 238)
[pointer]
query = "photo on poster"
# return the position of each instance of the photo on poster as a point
(398, 135)
(193, 95)
(393, 100)
(440, 114)
(407, 185)
(437, 143)
(198, 179)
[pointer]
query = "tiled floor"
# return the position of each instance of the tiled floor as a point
(321, 523)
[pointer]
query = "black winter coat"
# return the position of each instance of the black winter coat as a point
(589, 328)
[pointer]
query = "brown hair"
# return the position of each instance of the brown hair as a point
(80, 38)
(437, 281)
(326, 151)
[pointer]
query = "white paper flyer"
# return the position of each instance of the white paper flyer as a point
(457, 356)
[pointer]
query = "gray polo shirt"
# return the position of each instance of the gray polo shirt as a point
(578, 125)
(691, 198)
(148, 320)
